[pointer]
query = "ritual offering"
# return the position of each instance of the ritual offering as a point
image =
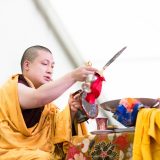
(91, 90)
(102, 123)
(127, 110)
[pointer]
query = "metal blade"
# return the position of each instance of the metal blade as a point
(113, 58)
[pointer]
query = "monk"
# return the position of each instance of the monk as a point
(31, 126)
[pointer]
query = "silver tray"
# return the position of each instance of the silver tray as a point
(102, 131)
(114, 130)
(129, 129)
(112, 104)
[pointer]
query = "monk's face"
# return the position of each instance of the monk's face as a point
(40, 70)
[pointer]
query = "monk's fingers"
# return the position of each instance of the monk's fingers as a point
(75, 107)
(78, 96)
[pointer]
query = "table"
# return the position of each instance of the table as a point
(109, 146)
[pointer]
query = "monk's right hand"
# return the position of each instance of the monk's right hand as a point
(81, 73)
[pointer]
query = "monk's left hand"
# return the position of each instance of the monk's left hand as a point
(74, 103)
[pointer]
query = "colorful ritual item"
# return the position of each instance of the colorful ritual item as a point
(91, 91)
(89, 107)
(127, 110)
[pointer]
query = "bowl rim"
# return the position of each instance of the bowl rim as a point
(111, 105)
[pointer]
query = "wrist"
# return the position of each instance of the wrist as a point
(72, 76)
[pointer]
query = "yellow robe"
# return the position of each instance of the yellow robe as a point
(146, 144)
(17, 142)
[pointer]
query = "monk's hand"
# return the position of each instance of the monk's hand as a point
(74, 103)
(81, 73)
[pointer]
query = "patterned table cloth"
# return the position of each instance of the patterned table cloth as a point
(110, 146)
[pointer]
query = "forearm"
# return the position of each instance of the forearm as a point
(48, 92)
(52, 90)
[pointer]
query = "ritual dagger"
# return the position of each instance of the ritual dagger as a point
(113, 58)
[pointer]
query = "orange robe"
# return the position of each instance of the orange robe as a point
(146, 144)
(38, 142)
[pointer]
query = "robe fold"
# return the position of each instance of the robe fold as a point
(53, 130)
(146, 144)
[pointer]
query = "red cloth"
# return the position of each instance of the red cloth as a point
(96, 87)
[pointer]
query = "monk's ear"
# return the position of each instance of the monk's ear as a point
(26, 65)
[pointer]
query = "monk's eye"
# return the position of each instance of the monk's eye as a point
(44, 64)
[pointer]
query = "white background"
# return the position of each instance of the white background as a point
(100, 28)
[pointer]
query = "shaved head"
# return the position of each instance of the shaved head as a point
(31, 53)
